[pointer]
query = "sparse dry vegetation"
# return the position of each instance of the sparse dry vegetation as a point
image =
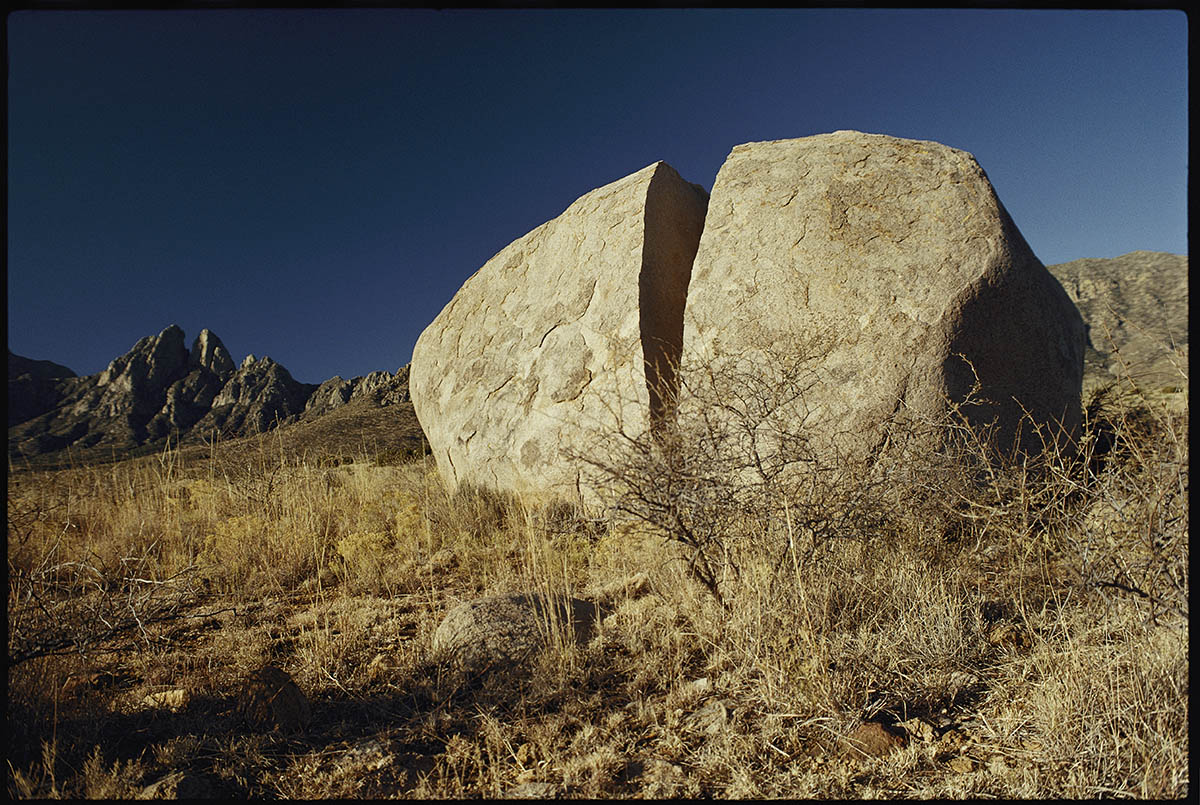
(1022, 624)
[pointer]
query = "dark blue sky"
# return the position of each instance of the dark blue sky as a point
(315, 185)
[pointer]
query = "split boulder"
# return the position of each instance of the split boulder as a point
(896, 257)
(567, 331)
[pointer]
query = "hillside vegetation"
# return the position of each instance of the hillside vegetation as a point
(1014, 629)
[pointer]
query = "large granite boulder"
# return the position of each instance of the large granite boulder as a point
(571, 329)
(896, 258)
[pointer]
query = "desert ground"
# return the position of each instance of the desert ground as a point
(1016, 630)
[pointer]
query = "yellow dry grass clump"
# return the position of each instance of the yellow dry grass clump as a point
(1015, 629)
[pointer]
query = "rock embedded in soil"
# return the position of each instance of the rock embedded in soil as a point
(269, 700)
(873, 739)
(505, 631)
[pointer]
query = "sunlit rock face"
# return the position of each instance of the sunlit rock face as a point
(570, 330)
(898, 259)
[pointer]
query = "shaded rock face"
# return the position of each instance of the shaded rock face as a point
(897, 256)
(269, 700)
(1136, 310)
(114, 407)
(567, 330)
(209, 353)
(34, 387)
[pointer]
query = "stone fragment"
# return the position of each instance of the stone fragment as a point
(710, 719)
(531, 790)
(175, 699)
(572, 329)
(895, 256)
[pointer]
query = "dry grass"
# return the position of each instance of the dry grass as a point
(1028, 632)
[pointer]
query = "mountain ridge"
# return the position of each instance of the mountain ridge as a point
(160, 391)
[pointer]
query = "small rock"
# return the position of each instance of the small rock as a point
(270, 700)
(186, 785)
(711, 718)
(175, 699)
(962, 765)
(873, 739)
(370, 754)
(532, 791)
(920, 728)
(505, 631)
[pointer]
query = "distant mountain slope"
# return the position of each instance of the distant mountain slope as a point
(160, 390)
(1136, 309)
(32, 387)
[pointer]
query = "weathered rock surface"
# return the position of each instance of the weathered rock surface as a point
(898, 256)
(1136, 310)
(569, 329)
(504, 631)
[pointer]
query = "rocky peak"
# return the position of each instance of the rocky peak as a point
(208, 352)
(37, 370)
(159, 390)
(152, 364)
(381, 388)
(255, 398)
